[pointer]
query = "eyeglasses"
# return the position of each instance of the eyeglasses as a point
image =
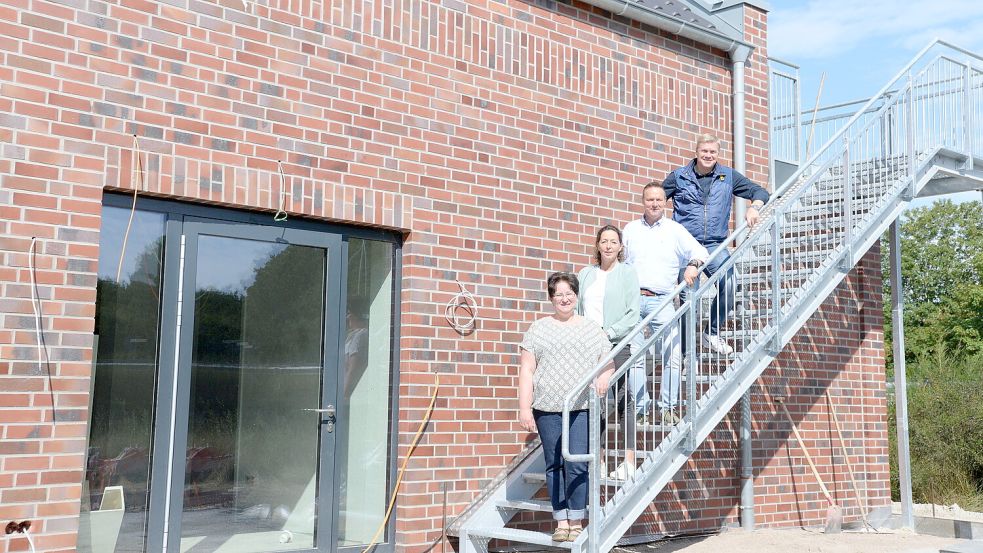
(565, 295)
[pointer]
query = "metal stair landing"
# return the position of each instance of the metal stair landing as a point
(918, 136)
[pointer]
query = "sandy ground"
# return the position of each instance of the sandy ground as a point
(797, 541)
(941, 511)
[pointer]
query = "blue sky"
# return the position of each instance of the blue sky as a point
(862, 44)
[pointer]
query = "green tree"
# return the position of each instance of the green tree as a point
(942, 269)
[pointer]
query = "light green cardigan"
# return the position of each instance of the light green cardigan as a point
(621, 295)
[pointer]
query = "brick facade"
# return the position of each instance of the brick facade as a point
(497, 134)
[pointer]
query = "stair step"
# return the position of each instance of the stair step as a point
(540, 477)
(764, 261)
(813, 212)
(822, 196)
(534, 477)
(526, 505)
(655, 427)
(808, 240)
(811, 226)
(794, 275)
(739, 334)
(516, 535)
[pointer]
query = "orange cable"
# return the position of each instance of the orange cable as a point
(402, 469)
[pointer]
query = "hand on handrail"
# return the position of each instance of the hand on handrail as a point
(603, 381)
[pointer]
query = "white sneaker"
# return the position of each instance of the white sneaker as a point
(717, 344)
(623, 472)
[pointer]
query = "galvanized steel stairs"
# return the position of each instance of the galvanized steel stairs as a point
(923, 139)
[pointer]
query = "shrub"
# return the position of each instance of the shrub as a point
(945, 420)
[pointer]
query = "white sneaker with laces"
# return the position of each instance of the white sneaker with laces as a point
(717, 344)
(623, 472)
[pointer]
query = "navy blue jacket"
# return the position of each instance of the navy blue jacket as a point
(705, 210)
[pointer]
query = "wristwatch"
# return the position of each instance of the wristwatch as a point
(695, 263)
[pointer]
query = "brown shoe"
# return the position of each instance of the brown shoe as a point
(561, 534)
(574, 533)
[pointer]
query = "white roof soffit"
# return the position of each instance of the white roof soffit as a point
(640, 11)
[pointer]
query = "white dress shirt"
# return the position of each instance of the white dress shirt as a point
(659, 251)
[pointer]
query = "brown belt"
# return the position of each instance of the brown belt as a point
(647, 292)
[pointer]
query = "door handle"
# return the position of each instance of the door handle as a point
(328, 416)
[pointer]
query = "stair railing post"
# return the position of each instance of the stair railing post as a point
(847, 261)
(594, 473)
(910, 129)
(776, 283)
(694, 366)
(968, 115)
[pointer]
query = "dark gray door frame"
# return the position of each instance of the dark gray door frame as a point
(171, 420)
(333, 320)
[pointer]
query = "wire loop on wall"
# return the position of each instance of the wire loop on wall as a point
(462, 301)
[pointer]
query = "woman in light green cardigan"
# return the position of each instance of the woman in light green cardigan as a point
(609, 296)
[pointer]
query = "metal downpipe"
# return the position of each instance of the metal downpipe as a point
(739, 56)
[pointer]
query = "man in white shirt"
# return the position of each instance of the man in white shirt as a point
(658, 248)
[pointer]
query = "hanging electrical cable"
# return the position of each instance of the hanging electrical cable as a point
(462, 301)
(138, 168)
(38, 323)
(281, 214)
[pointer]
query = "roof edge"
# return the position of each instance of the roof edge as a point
(637, 11)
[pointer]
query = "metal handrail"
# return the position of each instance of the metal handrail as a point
(849, 204)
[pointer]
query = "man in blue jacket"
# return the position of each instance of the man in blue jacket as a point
(702, 194)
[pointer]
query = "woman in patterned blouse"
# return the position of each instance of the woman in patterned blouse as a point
(556, 353)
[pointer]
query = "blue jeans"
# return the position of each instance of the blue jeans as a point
(670, 350)
(724, 302)
(565, 481)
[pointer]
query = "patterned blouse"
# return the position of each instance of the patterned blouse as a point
(565, 353)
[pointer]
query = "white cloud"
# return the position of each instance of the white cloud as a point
(827, 28)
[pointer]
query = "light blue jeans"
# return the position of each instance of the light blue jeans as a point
(669, 349)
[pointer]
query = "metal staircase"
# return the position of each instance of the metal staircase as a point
(921, 135)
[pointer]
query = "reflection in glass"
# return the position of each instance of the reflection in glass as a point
(117, 474)
(363, 454)
(251, 459)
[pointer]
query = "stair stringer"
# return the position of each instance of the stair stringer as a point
(508, 484)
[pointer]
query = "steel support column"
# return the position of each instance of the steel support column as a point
(900, 378)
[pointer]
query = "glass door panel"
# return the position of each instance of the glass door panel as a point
(363, 439)
(116, 488)
(255, 442)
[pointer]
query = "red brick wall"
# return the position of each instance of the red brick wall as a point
(839, 349)
(498, 134)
